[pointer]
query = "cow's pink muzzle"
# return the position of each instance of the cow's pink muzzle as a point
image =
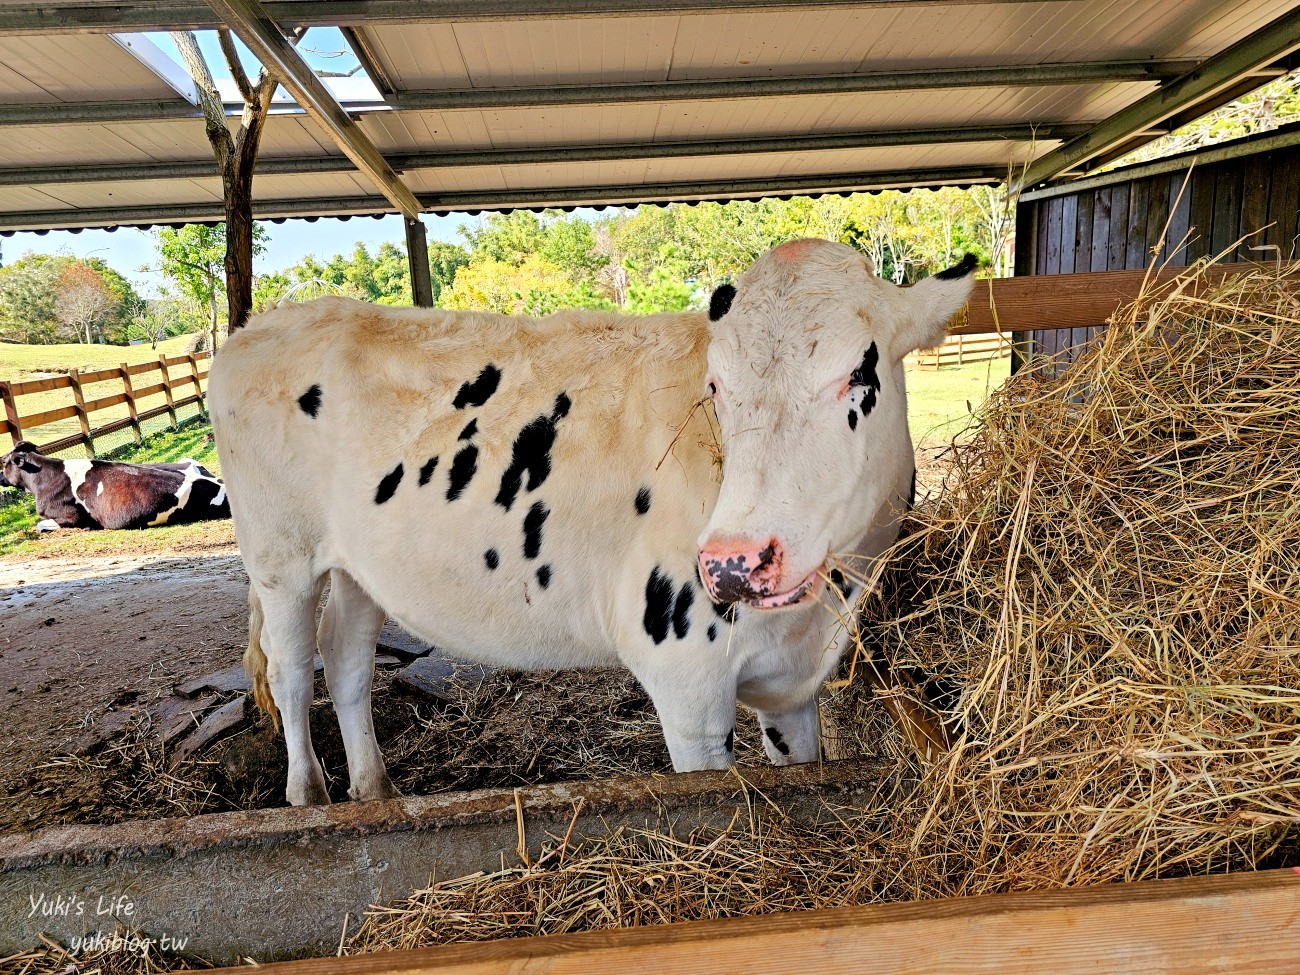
(741, 571)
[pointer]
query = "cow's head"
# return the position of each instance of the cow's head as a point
(19, 465)
(806, 372)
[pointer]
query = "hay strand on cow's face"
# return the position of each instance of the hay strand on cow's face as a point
(1107, 597)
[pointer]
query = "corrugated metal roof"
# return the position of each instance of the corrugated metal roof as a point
(163, 142)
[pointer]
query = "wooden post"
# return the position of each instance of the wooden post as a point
(417, 257)
(11, 414)
(79, 400)
(960, 359)
(167, 391)
(194, 378)
(131, 411)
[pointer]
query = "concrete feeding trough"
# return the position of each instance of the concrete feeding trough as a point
(278, 883)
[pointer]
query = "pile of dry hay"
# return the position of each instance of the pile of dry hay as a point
(1112, 582)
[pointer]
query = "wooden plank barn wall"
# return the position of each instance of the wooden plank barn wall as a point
(1117, 224)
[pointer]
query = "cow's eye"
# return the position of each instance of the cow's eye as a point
(713, 388)
(865, 373)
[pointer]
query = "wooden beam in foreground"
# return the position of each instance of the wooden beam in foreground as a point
(1050, 301)
(1237, 923)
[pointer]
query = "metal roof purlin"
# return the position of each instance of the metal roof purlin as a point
(1273, 41)
(469, 99)
(745, 188)
(1027, 75)
(247, 19)
(524, 155)
(167, 15)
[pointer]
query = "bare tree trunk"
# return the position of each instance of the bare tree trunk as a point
(236, 159)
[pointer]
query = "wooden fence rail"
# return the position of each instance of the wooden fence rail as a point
(960, 349)
(15, 422)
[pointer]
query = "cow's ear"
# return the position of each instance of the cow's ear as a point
(30, 466)
(929, 305)
(721, 301)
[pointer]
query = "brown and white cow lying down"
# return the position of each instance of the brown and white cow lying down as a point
(109, 494)
(546, 493)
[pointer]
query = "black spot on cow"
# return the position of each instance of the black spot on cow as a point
(531, 454)
(309, 402)
(713, 632)
(967, 265)
(643, 501)
(774, 736)
(463, 466)
(492, 558)
(853, 419)
(682, 610)
(842, 584)
(864, 378)
(544, 576)
(533, 522)
(477, 392)
(727, 611)
(721, 301)
(658, 605)
(471, 428)
(388, 486)
(427, 469)
(731, 740)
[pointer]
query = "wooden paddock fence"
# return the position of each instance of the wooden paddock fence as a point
(960, 349)
(138, 383)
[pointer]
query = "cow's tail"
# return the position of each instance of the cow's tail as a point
(255, 660)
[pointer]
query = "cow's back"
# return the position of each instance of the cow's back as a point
(490, 480)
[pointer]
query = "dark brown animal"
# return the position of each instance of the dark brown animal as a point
(109, 494)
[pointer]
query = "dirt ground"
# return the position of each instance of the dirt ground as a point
(98, 656)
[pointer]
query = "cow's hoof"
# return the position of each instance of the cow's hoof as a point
(383, 789)
(47, 525)
(311, 794)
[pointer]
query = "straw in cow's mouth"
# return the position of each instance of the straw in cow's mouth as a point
(805, 590)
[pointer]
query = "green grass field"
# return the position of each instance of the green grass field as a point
(18, 362)
(937, 400)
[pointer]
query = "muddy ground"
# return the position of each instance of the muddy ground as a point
(100, 712)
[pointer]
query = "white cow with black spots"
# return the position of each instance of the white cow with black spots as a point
(549, 493)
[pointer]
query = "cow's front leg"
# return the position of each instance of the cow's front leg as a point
(347, 635)
(791, 736)
(697, 712)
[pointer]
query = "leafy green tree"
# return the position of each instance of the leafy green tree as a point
(444, 261)
(509, 238)
(193, 258)
(665, 288)
(28, 289)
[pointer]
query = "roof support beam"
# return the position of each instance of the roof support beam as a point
(167, 15)
(247, 19)
(1252, 53)
(838, 84)
(555, 196)
(291, 165)
(1030, 75)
